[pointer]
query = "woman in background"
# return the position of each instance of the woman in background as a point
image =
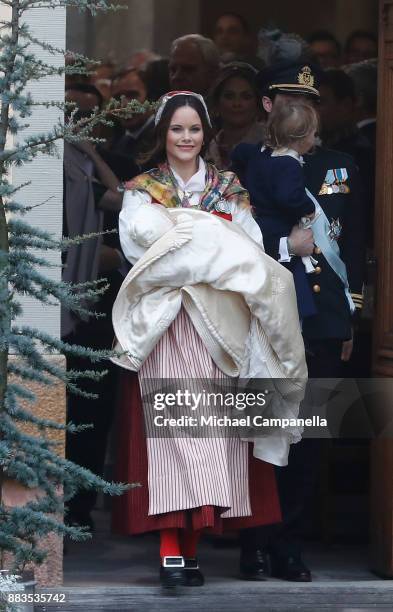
(236, 106)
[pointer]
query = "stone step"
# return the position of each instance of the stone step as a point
(275, 596)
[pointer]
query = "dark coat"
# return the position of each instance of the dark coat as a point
(333, 318)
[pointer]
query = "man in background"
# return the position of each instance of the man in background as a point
(339, 130)
(326, 48)
(232, 35)
(136, 133)
(364, 76)
(361, 45)
(194, 62)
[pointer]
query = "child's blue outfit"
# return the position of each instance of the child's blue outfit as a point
(275, 181)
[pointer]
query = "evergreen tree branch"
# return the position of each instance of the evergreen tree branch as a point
(58, 346)
(32, 460)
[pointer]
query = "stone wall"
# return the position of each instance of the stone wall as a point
(50, 404)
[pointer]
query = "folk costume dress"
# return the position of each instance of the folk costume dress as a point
(198, 483)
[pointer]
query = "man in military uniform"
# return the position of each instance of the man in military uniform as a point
(333, 179)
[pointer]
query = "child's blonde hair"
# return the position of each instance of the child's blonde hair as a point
(290, 122)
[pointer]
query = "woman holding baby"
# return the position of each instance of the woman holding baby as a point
(202, 303)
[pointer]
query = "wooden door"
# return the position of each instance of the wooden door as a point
(382, 449)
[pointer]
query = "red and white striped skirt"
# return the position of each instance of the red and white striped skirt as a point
(205, 483)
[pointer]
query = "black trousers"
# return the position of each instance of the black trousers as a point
(296, 482)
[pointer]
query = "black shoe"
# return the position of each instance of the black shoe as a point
(290, 568)
(253, 565)
(193, 574)
(172, 572)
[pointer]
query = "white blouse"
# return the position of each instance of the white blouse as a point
(196, 184)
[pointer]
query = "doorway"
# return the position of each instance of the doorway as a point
(341, 514)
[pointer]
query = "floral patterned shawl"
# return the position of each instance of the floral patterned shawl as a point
(160, 184)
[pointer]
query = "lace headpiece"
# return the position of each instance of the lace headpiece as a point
(172, 94)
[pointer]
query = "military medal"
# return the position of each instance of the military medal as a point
(327, 187)
(335, 182)
(342, 175)
(335, 228)
(341, 178)
(330, 177)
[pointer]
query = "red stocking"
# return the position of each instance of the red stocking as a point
(169, 543)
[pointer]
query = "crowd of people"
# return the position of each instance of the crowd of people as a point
(278, 136)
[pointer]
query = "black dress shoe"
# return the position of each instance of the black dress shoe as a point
(193, 574)
(253, 565)
(172, 572)
(290, 568)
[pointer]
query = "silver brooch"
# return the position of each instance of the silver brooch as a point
(223, 206)
(335, 229)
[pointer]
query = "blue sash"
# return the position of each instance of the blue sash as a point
(330, 249)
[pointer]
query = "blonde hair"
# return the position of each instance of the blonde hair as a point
(290, 122)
